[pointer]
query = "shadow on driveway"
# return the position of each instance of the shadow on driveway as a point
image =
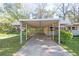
(41, 45)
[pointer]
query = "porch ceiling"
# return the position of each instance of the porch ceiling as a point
(39, 22)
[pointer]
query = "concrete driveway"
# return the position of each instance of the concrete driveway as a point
(41, 45)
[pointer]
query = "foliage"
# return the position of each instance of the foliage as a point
(62, 10)
(70, 43)
(10, 12)
(65, 35)
(5, 26)
(10, 44)
(41, 12)
(14, 11)
(72, 46)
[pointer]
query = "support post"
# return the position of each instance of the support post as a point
(59, 33)
(26, 32)
(53, 33)
(71, 28)
(20, 33)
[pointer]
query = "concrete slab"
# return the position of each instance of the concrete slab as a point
(41, 45)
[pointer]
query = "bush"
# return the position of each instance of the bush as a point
(7, 28)
(65, 35)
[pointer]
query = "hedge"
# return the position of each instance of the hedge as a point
(66, 35)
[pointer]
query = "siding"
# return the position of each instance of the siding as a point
(75, 32)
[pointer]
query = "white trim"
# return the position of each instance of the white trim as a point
(20, 33)
(53, 34)
(39, 20)
(59, 33)
(26, 31)
(53, 31)
(71, 28)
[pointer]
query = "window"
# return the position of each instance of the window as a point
(51, 28)
(74, 28)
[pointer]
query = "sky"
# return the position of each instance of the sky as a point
(34, 5)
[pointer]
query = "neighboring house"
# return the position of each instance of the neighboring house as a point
(74, 28)
(64, 24)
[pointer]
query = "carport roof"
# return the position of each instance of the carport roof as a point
(38, 19)
(66, 22)
(41, 22)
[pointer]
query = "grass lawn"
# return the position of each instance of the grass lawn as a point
(72, 46)
(9, 44)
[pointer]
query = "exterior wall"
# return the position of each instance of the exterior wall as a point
(46, 30)
(75, 32)
(49, 33)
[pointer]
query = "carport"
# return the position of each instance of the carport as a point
(39, 23)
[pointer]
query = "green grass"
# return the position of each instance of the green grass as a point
(72, 46)
(9, 44)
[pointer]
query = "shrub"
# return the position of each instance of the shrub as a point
(7, 28)
(65, 35)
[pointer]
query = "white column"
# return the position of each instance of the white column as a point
(53, 31)
(20, 33)
(71, 28)
(59, 33)
(26, 31)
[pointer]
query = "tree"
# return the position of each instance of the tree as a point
(41, 12)
(62, 10)
(73, 14)
(13, 11)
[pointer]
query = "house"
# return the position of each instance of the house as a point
(64, 24)
(74, 28)
(49, 26)
(45, 24)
